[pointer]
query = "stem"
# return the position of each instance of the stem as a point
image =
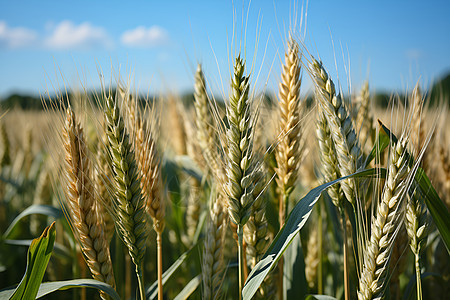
(418, 281)
(245, 264)
(320, 240)
(75, 271)
(346, 286)
(160, 272)
(127, 276)
(83, 275)
(119, 266)
(140, 277)
(282, 216)
(240, 233)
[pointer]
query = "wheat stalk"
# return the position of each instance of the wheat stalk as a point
(289, 150)
(240, 153)
(81, 203)
(239, 171)
(129, 204)
(151, 184)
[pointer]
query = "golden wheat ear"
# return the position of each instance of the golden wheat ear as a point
(289, 151)
(84, 217)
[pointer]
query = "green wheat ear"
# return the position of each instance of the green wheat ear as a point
(240, 153)
(129, 204)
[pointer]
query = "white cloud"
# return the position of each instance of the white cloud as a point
(145, 37)
(67, 35)
(17, 37)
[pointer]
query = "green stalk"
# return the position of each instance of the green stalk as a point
(119, 265)
(320, 239)
(240, 233)
(127, 276)
(418, 281)
(282, 211)
(140, 277)
(345, 246)
(76, 272)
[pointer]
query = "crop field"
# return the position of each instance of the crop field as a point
(112, 194)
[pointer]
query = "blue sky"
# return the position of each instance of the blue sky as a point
(49, 44)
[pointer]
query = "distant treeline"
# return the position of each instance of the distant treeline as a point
(439, 93)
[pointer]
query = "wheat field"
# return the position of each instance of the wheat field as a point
(236, 198)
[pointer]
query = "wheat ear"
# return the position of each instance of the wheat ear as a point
(364, 118)
(330, 167)
(312, 258)
(240, 175)
(102, 175)
(444, 159)
(129, 204)
(213, 265)
(330, 172)
(6, 155)
(385, 224)
(240, 153)
(416, 226)
(417, 131)
(206, 133)
(289, 149)
(344, 137)
(152, 187)
(81, 203)
(176, 120)
(255, 231)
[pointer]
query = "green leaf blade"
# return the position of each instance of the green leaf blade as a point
(296, 220)
(38, 257)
